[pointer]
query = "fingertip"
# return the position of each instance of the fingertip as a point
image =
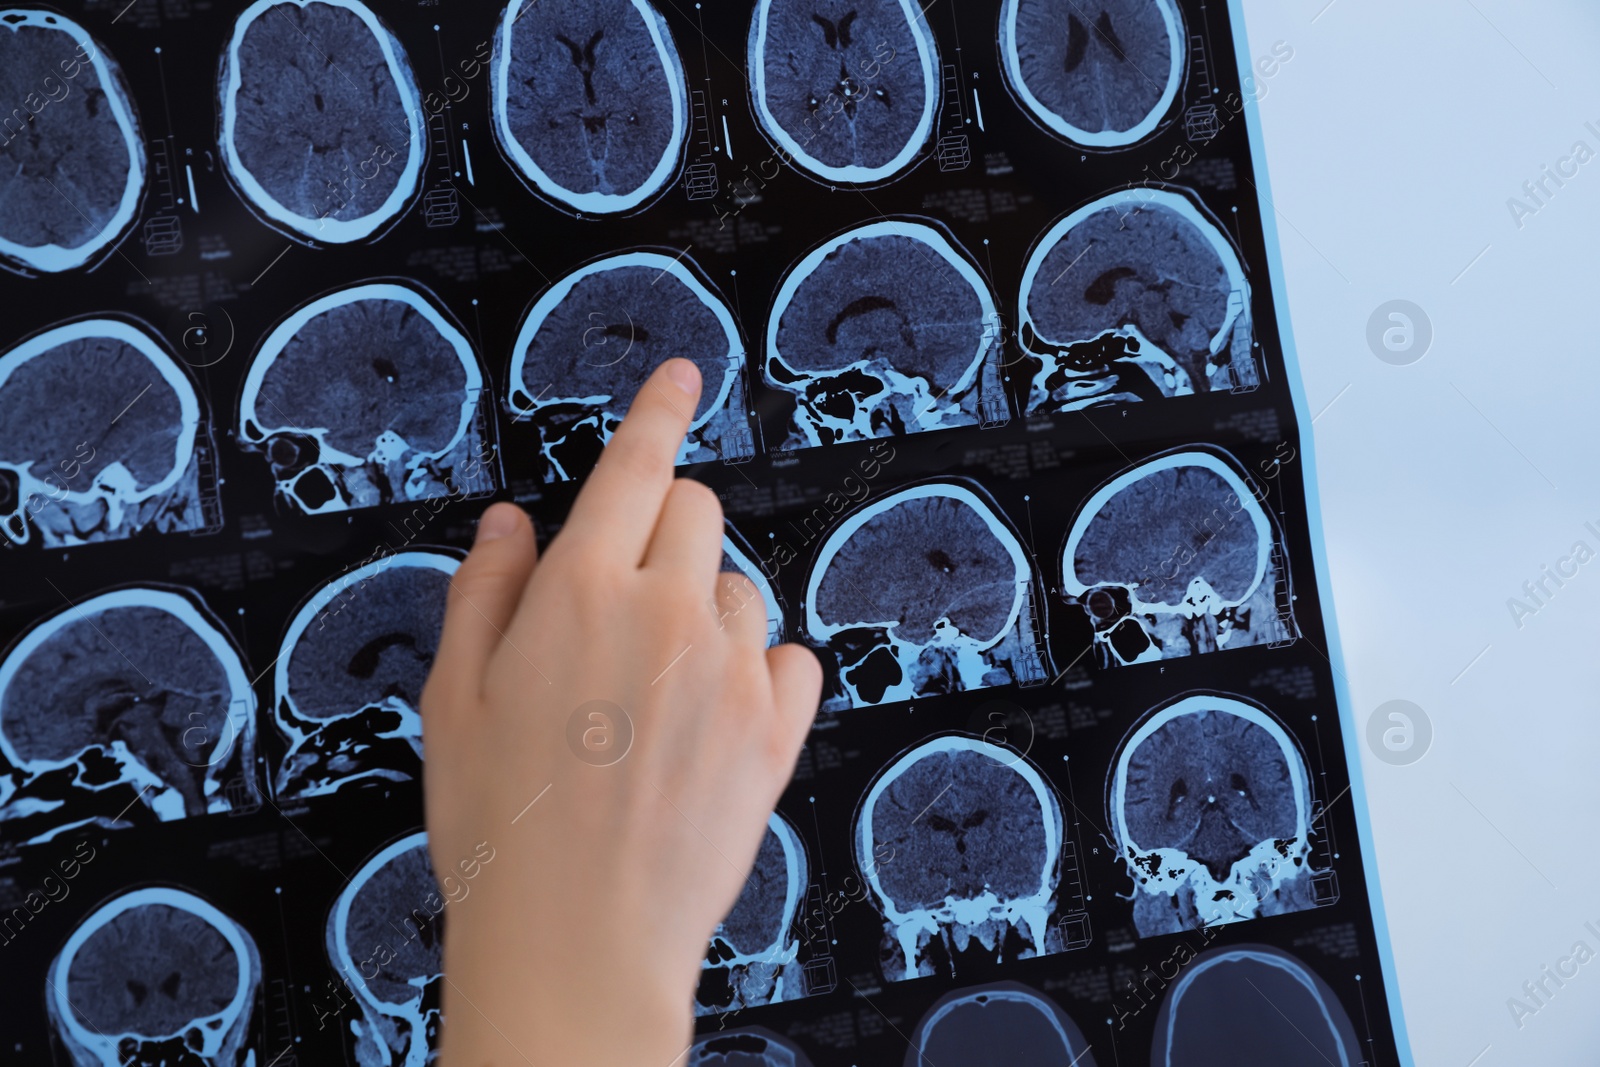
(500, 520)
(684, 374)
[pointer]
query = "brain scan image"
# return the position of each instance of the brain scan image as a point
(368, 395)
(884, 330)
(921, 592)
(959, 842)
(321, 120)
(1175, 557)
(590, 102)
(128, 707)
(72, 160)
(385, 938)
(1252, 1004)
(349, 675)
(1100, 75)
(739, 558)
(100, 437)
(1136, 296)
(746, 1047)
(846, 89)
(754, 953)
(1210, 805)
(1001, 1025)
(590, 341)
(155, 976)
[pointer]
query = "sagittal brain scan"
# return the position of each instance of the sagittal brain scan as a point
(321, 119)
(960, 843)
(367, 396)
(739, 558)
(1136, 296)
(1210, 805)
(1252, 1004)
(923, 591)
(754, 953)
(385, 939)
(350, 673)
(590, 341)
(1100, 74)
(155, 976)
(747, 1047)
(1175, 557)
(884, 330)
(129, 707)
(1001, 1025)
(590, 102)
(846, 89)
(101, 434)
(72, 161)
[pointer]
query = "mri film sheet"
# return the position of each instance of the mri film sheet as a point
(999, 400)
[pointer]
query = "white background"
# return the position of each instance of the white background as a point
(1395, 136)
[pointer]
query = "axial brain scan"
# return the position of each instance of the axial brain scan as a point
(747, 1047)
(590, 341)
(128, 706)
(100, 434)
(920, 592)
(753, 958)
(1211, 810)
(367, 396)
(884, 330)
(321, 119)
(1100, 74)
(1176, 557)
(1136, 296)
(1252, 1004)
(590, 102)
(971, 836)
(847, 89)
(155, 976)
(72, 161)
(385, 938)
(1001, 1025)
(350, 672)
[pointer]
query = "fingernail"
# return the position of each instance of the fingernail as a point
(685, 375)
(499, 521)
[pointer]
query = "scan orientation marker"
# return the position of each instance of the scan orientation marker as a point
(589, 101)
(72, 159)
(321, 120)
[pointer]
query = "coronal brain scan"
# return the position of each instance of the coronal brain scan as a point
(1176, 557)
(350, 673)
(881, 331)
(367, 396)
(128, 707)
(746, 1047)
(72, 157)
(590, 102)
(1252, 1004)
(322, 128)
(1211, 811)
(959, 841)
(754, 954)
(846, 89)
(100, 437)
(385, 939)
(155, 976)
(1136, 296)
(1001, 1025)
(739, 558)
(1101, 74)
(923, 591)
(590, 341)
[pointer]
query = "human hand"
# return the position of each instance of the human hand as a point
(582, 943)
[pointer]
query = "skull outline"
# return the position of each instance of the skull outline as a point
(736, 550)
(222, 1041)
(744, 1043)
(1077, 1050)
(808, 420)
(771, 966)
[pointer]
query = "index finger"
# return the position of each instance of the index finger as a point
(618, 507)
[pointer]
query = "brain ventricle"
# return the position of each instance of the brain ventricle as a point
(152, 970)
